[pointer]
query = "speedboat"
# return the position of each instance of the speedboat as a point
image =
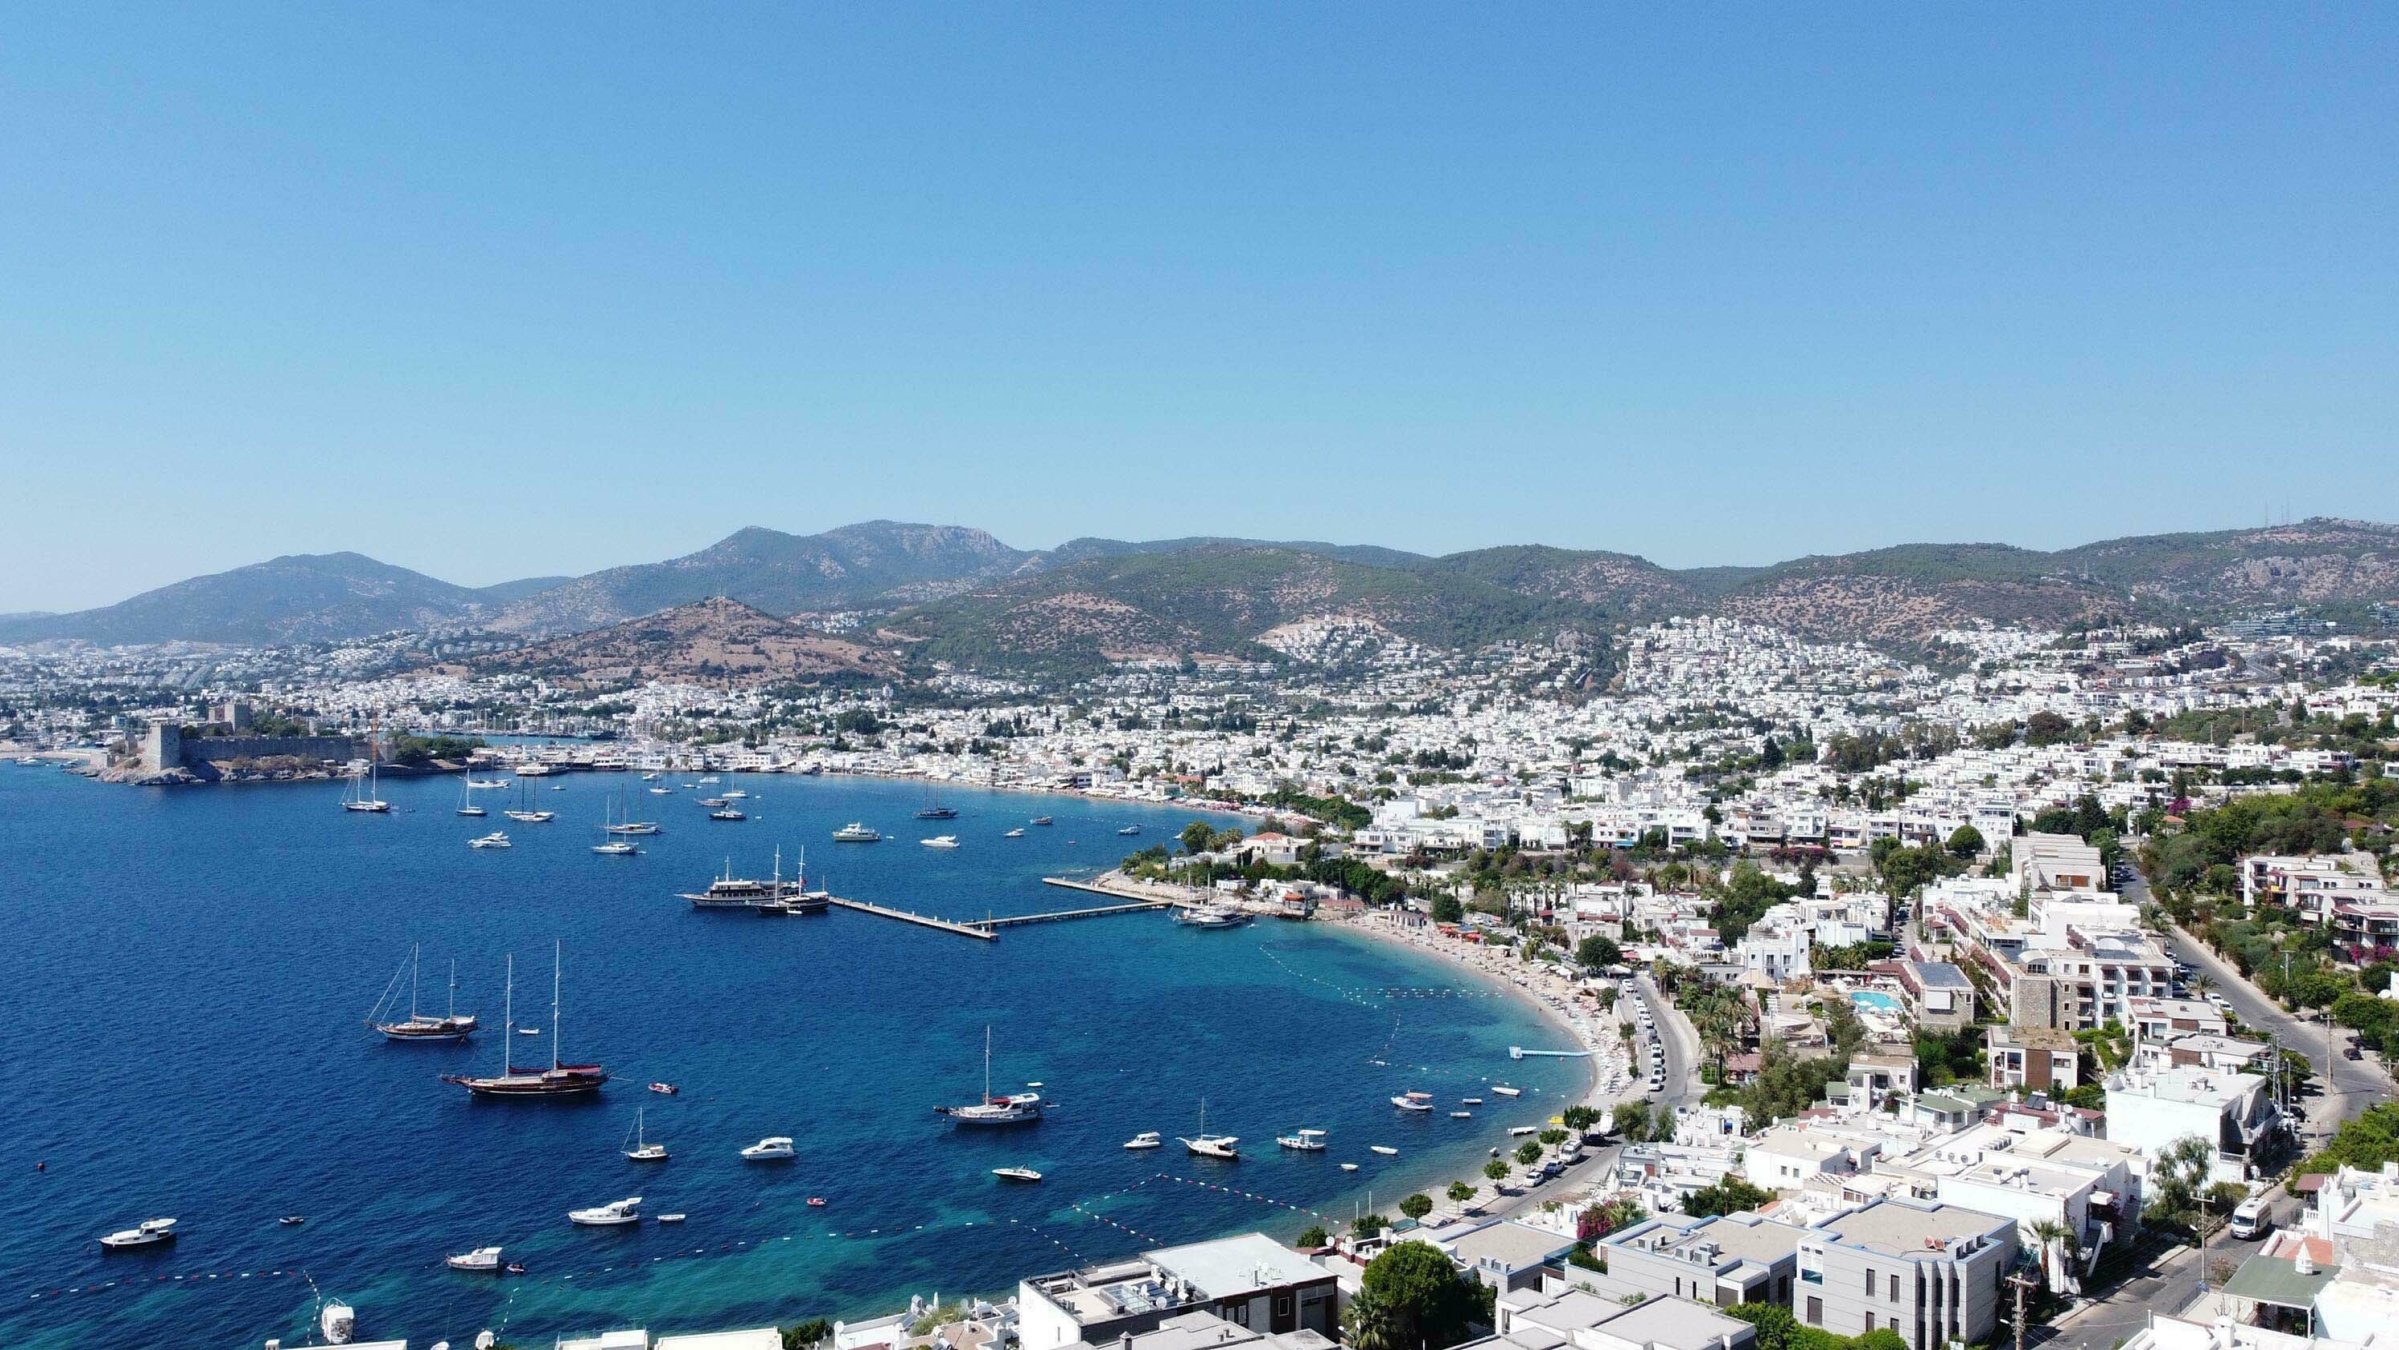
(773, 1148)
(665, 1089)
(1043, 820)
(729, 813)
(1461, 1115)
(1385, 1149)
(1414, 1101)
(338, 1322)
(857, 832)
(482, 1259)
(816, 1202)
(1017, 833)
(1130, 829)
(1520, 1131)
(617, 848)
(496, 839)
(1210, 916)
(616, 1214)
(662, 792)
(670, 1218)
(1302, 1141)
(1506, 1091)
(1145, 1139)
(735, 794)
(1470, 1101)
(714, 802)
(292, 1220)
(150, 1233)
(1016, 1174)
(1349, 1167)
(940, 841)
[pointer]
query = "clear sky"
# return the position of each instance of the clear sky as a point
(500, 290)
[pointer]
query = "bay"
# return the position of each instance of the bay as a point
(186, 975)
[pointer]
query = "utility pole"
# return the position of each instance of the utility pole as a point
(2022, 1282)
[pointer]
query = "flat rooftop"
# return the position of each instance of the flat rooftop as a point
(1895, 1229)
(1229, 1267)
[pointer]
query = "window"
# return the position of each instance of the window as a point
(1869, 1284)
(1282, 1305)
(1815, 1311)
(1894, 1286)
(1870, 1321)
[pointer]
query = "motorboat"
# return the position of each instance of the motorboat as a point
(1384, 1149)
(857, 832)
(1302, 1141)
(735, 794)
(642, 1148)
(617, 848)
(487, 784)
(1130, 830)
(1349, 1167)
(773, 1148)
(1470, 1101)
(665, 1089)
(1505, 1091)
(940, 841)
(816, 1202)
(292, 1220)
(1011, 1108)
(729, 813)
(482, 1260)
(148, 1233)
(560, 1080)
(1043, 820)
(1017, 833)
(1020, 1174)
(1520, 1131)
(1414, 1101)
(338, 1321)
(1206, 1145)
(1461, 1115)
(496, 839)
(450, 1026)
(662, 792)
(1144, 1140)
(1210, 916)
(670, 1218)
(615, 1214)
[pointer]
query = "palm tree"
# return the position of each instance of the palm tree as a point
(2201, 985)
(2050, 1233)
(1369, 1324)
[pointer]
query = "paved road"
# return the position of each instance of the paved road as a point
(2165, 1280)
(1681, 1040)
(2347, 1086)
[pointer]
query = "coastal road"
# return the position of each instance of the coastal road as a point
(1681, 1041)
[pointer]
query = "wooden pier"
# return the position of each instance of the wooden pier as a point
(927, 920)
(1062, 915)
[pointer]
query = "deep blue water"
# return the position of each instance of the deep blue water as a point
(186, 973)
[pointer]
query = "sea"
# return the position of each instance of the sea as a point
(186, 973)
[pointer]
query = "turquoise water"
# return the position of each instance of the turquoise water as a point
(188, 972)
(1875, 999)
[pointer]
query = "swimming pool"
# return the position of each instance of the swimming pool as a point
(1875, 999)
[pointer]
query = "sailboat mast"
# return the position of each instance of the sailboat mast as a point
(557, 959)
(453, 987)
(413, 952)
(508, 1017)
(987, 1063)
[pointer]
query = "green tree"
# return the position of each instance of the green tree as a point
(1416, 1206)
(1528, 1153)
(1367, 1225)
(1369, 1324)
(1312, 1236)
(1431, 1304)
(1460, 1192)
(1446, 909)
(1197, 836)
(1732, 1195)
(807, 1333)
(1965, 841)
(1553, 1136)
(1597, 951)
(1632, 1122)
(1496, 1170)
(1580, 1118)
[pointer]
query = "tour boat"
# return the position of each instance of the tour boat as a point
(496, 839)
(773, 1148)
(559, 1080)
(1414, 1101)
(772, 896)
(149, 1233)
(1016, 1174)
(643, 1150)
(1302, 1141)
(361, 794)
(857, 832)
(940, 841)
(523, 810)
(338, 1322)
(1145, 1139)
(1016, 1108)
(450, 1026)
(1385, 1149)
(483, 1260)
(627, 826)
(615, 1214)
(933, 809)
(1206, 1145)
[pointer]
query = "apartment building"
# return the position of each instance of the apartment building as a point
(1929, 1271)
(1726, 1260)
(1250, 1281)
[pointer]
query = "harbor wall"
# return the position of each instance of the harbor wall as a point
(199, 749)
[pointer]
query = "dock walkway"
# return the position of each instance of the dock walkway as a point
(906, 916)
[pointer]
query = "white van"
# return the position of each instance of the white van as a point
(2251, 1218)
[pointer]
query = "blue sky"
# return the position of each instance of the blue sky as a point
(492, 291)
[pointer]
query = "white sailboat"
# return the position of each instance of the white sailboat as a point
(1014, 1108)
(642, 1149)
(1206, 1145)
(362, 794)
